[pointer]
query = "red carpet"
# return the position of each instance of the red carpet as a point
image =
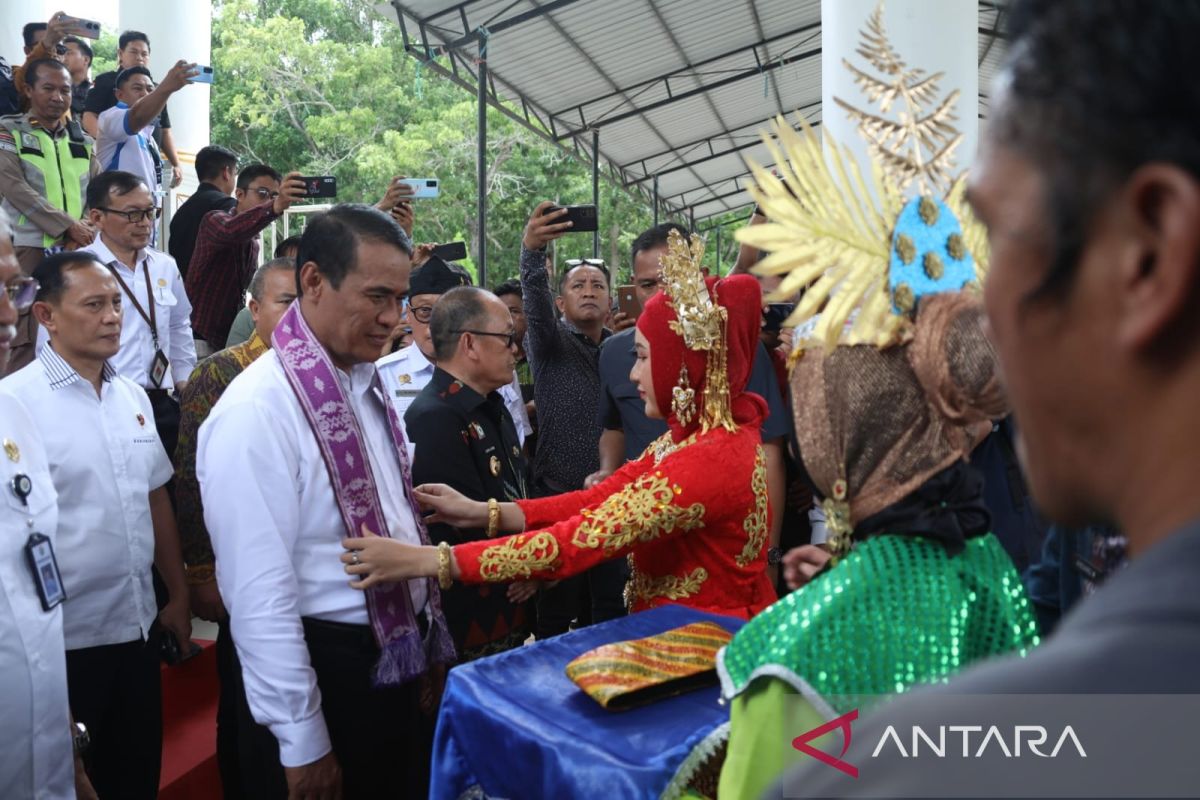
(189, 759)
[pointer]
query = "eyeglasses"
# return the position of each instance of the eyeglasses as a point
(421, 313)
(510, 338)
(590, 262)
(21, 292)
(263, 193)
(133, 215)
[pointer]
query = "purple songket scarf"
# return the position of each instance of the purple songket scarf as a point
(313, 378)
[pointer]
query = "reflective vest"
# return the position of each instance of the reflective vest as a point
(55, 166)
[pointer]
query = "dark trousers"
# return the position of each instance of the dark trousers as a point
(243, 746)
(382, 741)
(116, 691)
(596, 595)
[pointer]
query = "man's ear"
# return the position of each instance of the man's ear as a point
(560, 304)
(254, 306)
(1159, 270)
(94, 216)
(311, 281)
(43, 312)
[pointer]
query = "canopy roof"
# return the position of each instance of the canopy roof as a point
(676, 88)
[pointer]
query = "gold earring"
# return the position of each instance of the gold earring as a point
(683, 399)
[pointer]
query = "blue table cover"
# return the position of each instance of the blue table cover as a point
(514, 726)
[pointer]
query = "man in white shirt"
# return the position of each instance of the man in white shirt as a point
(122, 209)
(407, 371)
(36, 759)
(114, 520)
(125, 138)
(276, 523)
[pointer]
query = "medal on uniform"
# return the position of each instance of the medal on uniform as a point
(494, 465)
(39, 553)
(404, 379)
(477, 432)
(12, 451)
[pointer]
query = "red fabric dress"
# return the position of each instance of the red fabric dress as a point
(692, 513)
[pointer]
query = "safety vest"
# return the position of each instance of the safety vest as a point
(55, 166)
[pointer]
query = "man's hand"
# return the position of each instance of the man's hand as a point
(81, 233)
(421, 254)
(206, 601)
(179, 76)
(83, 784)
(56, 31)
(396, 193)
(542, 227)
(521, 591)
(596, 477)
(320, 780)
(801, 564)
(403, 214)
(291, 190)
(176, 617)
(176, 175)
(622, 321)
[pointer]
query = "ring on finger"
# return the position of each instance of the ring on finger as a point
(354, 557)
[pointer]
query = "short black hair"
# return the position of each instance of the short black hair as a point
(211, 160)
(51, 272)
(511, 286)
(132, 36)
(32, 32)
(260, 275)
(253, 172)
(656, 237)
(331, 240)
(292, 241)
(34, 68)
(124, 75)
(457, 310)
(114, 182)
(84, 47)
(1092, 90)
(562, 279)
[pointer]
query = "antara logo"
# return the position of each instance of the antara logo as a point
(1023, 739)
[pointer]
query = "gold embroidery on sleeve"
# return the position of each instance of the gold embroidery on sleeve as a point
(756, 521)
(642, 587)
(641, 512)
(518, 557)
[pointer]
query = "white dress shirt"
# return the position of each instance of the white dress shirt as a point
(514, 401)
(172, 317)
(105, 458)
(36, 758)
(276, 531)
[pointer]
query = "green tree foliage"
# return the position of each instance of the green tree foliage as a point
(324, 87)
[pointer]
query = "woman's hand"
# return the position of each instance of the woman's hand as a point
(376, 559)
(801, 564)
(451, 507)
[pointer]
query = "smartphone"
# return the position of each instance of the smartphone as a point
(423, 188)
(205, 76)
(451, 251)
(83, 28)
(320, 186)
(775, 314)
(584, 217)
(627, 301)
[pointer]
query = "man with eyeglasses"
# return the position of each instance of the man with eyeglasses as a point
(466, 438)
(405, 372)
(46, 163)
(226, 252)
(157, 352)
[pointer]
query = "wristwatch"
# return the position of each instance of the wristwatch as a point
(774, 556)
(80, 740)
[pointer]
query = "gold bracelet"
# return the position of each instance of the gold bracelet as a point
(493, 517)
(444, 576)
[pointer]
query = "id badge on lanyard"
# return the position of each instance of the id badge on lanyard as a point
(39, 554)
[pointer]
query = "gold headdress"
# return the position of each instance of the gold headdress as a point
(861, 252)
(700, 322)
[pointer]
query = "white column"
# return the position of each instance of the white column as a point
(177, 29)
(933, 35)
(13, 16)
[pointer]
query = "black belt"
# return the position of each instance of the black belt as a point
(350, 634)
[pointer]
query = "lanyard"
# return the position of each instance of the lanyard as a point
(149, 318)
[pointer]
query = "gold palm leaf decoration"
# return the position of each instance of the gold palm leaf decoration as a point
(828, 234)
(916, 145)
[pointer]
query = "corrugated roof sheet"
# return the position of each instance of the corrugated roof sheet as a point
(680, 88)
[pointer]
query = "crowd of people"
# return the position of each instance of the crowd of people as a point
(365, 469)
